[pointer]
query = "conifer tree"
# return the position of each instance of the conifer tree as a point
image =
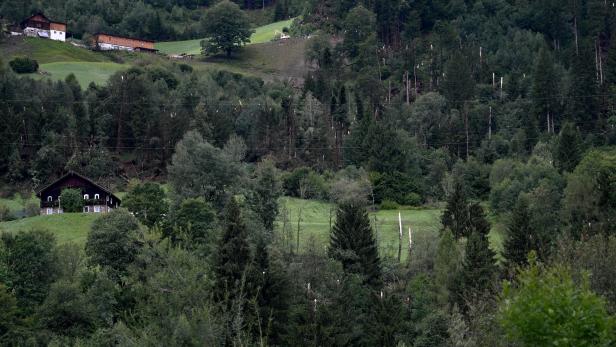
(455, 216)
(610, 64)
(352, 243)
(583, 105)
(568, 150)
(544, 94)
(519, 239)
(233, 256)
(478, 269)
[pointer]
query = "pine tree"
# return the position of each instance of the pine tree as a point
(455, 216)
(520, 238)
(232, 258)
(568, 150)
(478, 270)
(583, 105)
(477, 221)
(352, 243)
(544, 94)
(610, 64)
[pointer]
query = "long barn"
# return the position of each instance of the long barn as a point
(40, 26)
(108, 42)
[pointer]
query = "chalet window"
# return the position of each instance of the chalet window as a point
(97, 209)
(86, 196)
(86, 209)
(96, 196)
(49, 198)
(50, 211)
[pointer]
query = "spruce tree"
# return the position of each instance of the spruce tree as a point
(583, 105)
(478, 270)
(519, 239)
(544, 94)
(232, 258)
(610, 64)
(568, 150)
(455, 216)
(352, 243)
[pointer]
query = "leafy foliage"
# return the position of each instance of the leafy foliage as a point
(227, 28)
(546, 306)
(148, 203)
(72, 200)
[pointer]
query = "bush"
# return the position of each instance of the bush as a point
(32, 209)
(186, 68)
(389, 205)
(5, 213)
(24, 65)
(71, 200)
(412, 199)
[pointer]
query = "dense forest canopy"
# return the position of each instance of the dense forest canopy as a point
(497, 113)
(159, 20)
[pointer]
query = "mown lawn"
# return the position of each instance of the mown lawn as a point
(262, 34)
(85, 72)
(67, 227)
(48, 51)
(315, 224)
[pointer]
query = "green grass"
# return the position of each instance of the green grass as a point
(48, 51)
(315, 224)
(85, 72)
(67, 227)
(262, 34)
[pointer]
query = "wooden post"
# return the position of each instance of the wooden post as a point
(410, 241)
(400, 237)
(490, 125)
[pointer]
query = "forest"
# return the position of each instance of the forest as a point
(498, 113)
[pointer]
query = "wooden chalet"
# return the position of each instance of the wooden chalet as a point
(97, 199)
(108, 42)
(40, 26)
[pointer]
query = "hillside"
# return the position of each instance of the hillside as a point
(262, 34)
(67, 227)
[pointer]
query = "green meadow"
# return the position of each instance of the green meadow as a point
(262, 34)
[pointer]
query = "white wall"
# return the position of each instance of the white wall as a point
(57, 35)
(110, 47)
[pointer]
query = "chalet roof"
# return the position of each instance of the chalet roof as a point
(42, 15)
(124, 37)
(75, 174)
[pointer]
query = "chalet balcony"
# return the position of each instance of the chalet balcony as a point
(87, 202)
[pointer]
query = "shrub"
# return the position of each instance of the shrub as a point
(186, 68)
(5, 213)
(412, 199)
(24, 65)
(71, 200)
(389, 205)
(32, 209)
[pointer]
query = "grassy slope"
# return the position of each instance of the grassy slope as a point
(59, 59)
(85, 72)
(315, 224)
(262, 34)
(67, 227)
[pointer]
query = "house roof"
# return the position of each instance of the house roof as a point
(75, 174)
(124, 37)
(42, 15)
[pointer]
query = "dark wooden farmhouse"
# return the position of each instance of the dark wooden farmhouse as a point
(40, 26)
(97, 198)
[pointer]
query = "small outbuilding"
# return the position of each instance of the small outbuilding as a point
(97, 199)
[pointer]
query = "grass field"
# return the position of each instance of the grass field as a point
(262, 34)
(48, 51)
(85, 72)
(67, 227)
(315, 224)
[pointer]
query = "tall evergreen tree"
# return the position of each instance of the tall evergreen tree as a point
(569, 148)
(232, 258)
(544, 94)
(352, 243)
(520, 235)
(267, 190)
(456, 217)
(583, 103)
(478, 270)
